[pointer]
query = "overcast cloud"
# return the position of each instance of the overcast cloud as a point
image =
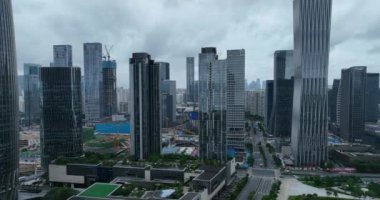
(170, 30)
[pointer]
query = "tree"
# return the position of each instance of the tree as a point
(60, 193)
(335, 193)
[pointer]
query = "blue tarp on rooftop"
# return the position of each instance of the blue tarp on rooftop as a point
(119, 128)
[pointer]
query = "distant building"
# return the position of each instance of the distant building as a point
(352, 114)
(190, 96)
(311, 60)
(122, 96)
(123, 107)
(254, 102)
(372, 97)
(61, 128)
(333, 98)
(144, 106)
(93, 80)
(164, 70)
(63, 56)
(281, 117)
(268, 104)
(169, 102)
(109, 102)
(32, 89)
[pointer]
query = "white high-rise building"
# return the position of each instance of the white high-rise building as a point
(63, 56)
(312, 21)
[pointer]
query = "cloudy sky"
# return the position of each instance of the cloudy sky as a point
(170, 30)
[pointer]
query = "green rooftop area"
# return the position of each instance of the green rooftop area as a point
(99, 190)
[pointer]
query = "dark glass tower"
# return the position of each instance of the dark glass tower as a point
(281, 117)
(372, 97)
(8, 104)
(32, 97)
(109, 88)
(352, 113)
(190, 80)
(61, 127)
(312, 22)
(145, 106)
(333, 99)
(268, 104)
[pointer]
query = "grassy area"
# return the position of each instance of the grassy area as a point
(273, 194)
(314, 197)
(88, 134)
(99, 190)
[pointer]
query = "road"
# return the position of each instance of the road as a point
(252, 185)
(264, 188)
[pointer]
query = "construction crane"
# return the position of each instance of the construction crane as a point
(108, 51)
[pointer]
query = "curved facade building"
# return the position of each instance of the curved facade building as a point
(8, 105)
(312, 21)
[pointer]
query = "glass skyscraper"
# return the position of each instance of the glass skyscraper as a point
(190, 93)
(9, 123)
(109, 102)
(144, 106)
(63, 56)
(312, 21)
(372, 97)
(32, 89)
(93, 80)
(61, 127)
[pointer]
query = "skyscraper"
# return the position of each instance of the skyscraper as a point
(9, 105)
(236, 100)
(190, 79)
(333, 99)
(164, 70)
(352, 114)
(254, 102)
(268, 104)
(212, 105)
(312, 20)
(93, 78)
(32, 91)
(109, 88)
(144, 106)
(61, 128)
(281, 117)
(168, 107)
(63, 56)
(372, 97)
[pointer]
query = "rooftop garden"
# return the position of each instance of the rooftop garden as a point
(131, 190)
(107, 159)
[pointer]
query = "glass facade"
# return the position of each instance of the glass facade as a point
(9, 132)
(190, 93)
(32, 89)
(372, 97)
(312, 21)
(63, 56)
(109, 88)
(61, 127)
(145, 106)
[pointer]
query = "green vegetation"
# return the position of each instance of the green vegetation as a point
(262, 128)
(99, 142)
(239, 187)
(313, 197)
(131, 190)
(251, 117)
(60, 193)
(367, 167)
(251, 195)
(374, 190)
(277, 161)
(273, 191)
(250, 159)
(263, 155)
(99, 190)
(88, 134)
(90, 158)
(270, 148)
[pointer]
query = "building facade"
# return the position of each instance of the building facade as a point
(235, 115)
(254, 102)
(144, 106)
(32, 89)
(312, 21)
(281, 117)
(169, 103)
(164, 70)
(212, 105)
(372, 97)
(352, 114)
(109, 95)
(333, 99)
(268, 104)
(9, 133)
(190, 96)
(63, 56)
(61, 126)
(93, 80)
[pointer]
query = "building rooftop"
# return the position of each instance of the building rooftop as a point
(209, 172)
(99, 190)
(189, 196)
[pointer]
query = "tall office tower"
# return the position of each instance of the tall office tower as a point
(235, 100)
(333, 99)
(93, 80)
(144, 106)
(352, 114)
(190, 79)
(281, 117)
(372, 97)
(169, 102)
(164, 70)
(32, 98)
(9, 105)
(196, 91)
(109, 88)
(63, 56)
(268, 104)
(122, 99)
(312, 21)
(61, 128)
(212, 105)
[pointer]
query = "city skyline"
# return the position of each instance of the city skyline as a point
(351, 44)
